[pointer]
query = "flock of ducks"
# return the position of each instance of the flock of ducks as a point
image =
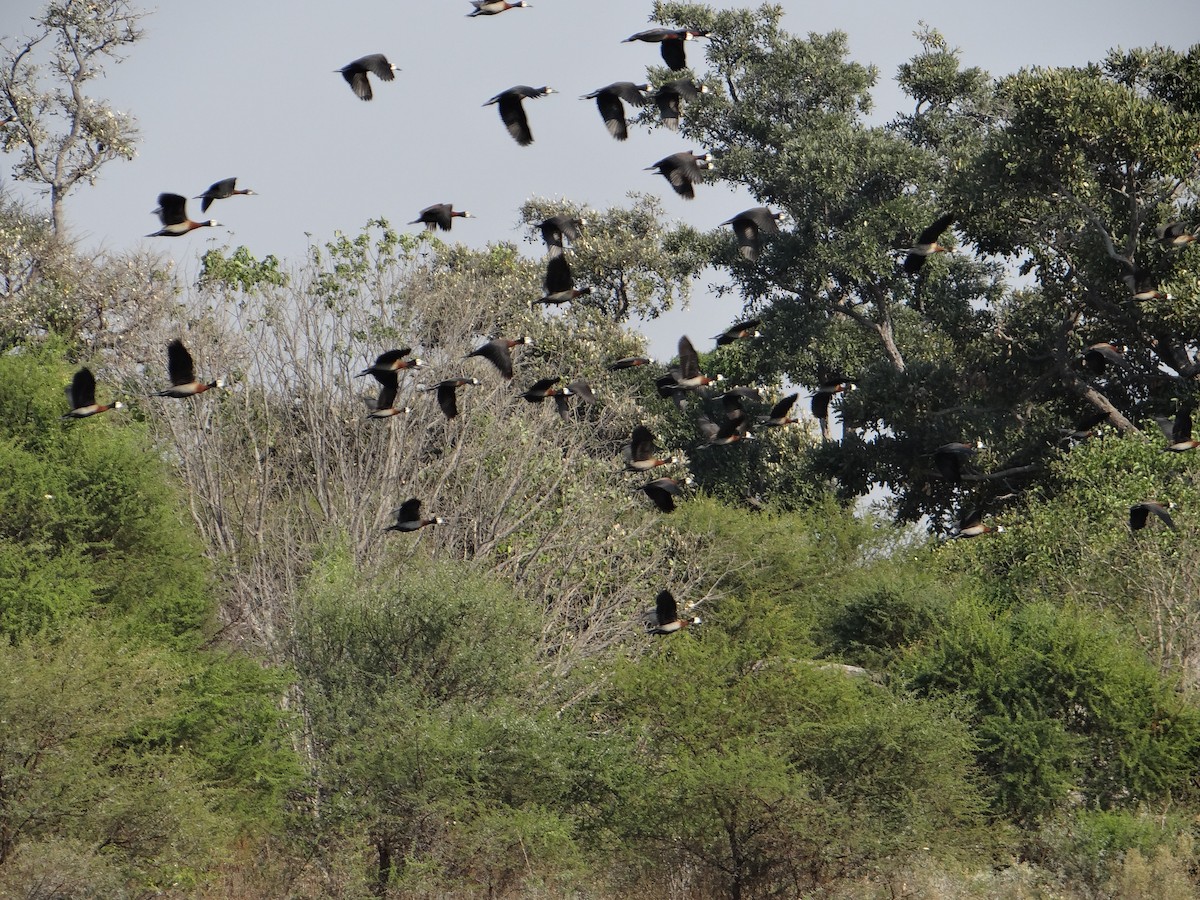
(682, 171)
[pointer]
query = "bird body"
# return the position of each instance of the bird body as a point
(672, 41)
(555, 228)
(512, 112)
(499, 353)
(355, 73)
(683, 170)
(392, 361)
(81, 397)
(779, 415)
(629, 362)
(666, 615)
(495, 7)
(440, 215)
(1098, 356)
(739, 331)
(639, 455)
(182, 371)
(447, 394)
(408, 517)
(220, 190)
(663, 492)
(687, 374)
(670, 97)
(971, 525)
(1139, 514)
(559, 283)
(545, 387)
(1179, 432)
(1176, 234)
(609, 102)
(749, 226)
(172, 212)
(384, 406)
(927, 244)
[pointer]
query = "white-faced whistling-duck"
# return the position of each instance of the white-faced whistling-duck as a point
(1179, 432)
(81, 396)
(663, 492)
(666, 615)
(639, 455)
(579, 390)
(778, 416)
(683, 170)
(971, 525)
(732, 430)
(447, 393)
(687, 374)
(670, 97)
(221, 190)
(384, 406)
(512, 112)
(825, 392)
(739, 331)
(408, 517)
(1176, 234)
(749, 226)
(355, 73)
(392, 361)
(499, 353)
(172, 212)
(927, 244)
(1139, 512)
(559, 283)
(608, 101)
(948, 459)
(630, 362)
(440, 215)
(672, 41)
(1085, 426)
(182, 372)
(495, 7)
(543, 388)
(555, 228)
(1098, 356)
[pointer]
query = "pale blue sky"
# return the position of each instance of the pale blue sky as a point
(222, 88)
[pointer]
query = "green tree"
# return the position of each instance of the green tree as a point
(61, 135)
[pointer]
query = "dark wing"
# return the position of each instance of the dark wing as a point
(555, 228)
(662, 492)
(378, 63)
(512, 113)
(641, 443)
(746, 228)
(497, 353)
(558, 275)
(689, 361)
(630, 92)
(357, 79)
(667, 385)
(784, 406)
(1181, 431)
(613, 113)
(666, 610)
(447, 398)
(391, 357)
(949, 465)
(82, 391)
(820, 404)
(681, 170)
(934, 231)
(172, 209)
(669, 106)
(389, 381)
(437, 216)
(970, 519)
(1143, 509)
(581, 389)
(542, 385)
(217, 191)
(180, 367)
(409, 511)
(563, 404)
(913, 263)
(673, 54)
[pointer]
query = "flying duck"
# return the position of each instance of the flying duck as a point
(440, 215)
(408, 517)
(683, 170)
(927, 244)
(672, 41)
(447, 393)
(666, 615)
(172, 213)
(687, 374)
(670, 97)
(355, 73)
(81, 397)
(495, 7)
(608, 101)
(639, 455)
(499, 353)
(182, 372)
(392, 361)
(221, 190)
(512, 113)
(749, 226)
(1140, 512)
(663, 492)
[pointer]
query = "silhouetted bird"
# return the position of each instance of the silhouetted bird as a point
(823, 395)
(392, 361)
(639, 455)
(543, 388)
(1179, 432)
(499, 353)
(778, 417)
(672, 41)
(172, 212)
(512, 112)
(384, 405)
(355, 73)
(408, 517)
(1139, 512)
(81, 397)
(559, 283)
(447, 393)
(555, 228)
(971, 525)
(221, 190)
(663, 492)
(1098, 356)
(927, 244)
(608, 101)
(948, 459)
(182, 372)
(440, 215)
(578, 390)
(683, 170)
(495, 7)
(666, 615)
(750, 225)
(629, 362)
(670, 98)
(739, 331)
(687, 374)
